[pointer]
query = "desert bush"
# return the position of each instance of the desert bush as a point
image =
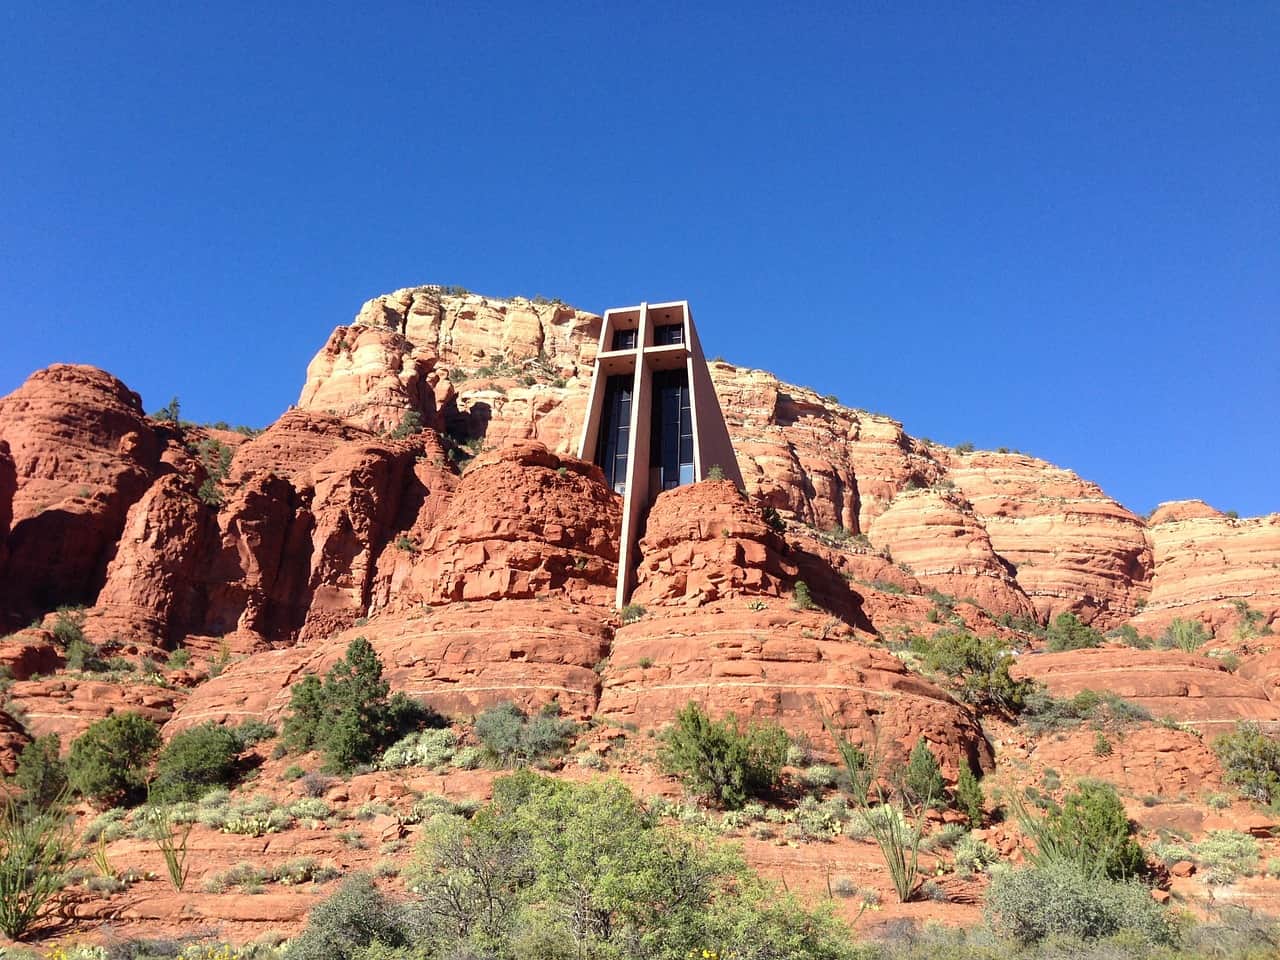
(1089, 832)
(511, 737)
(426, 748)
(720, 759)
(1043, 712)
(801, 598)
(410, 424)
(68, 626)
(349, 717)
(108, 762)
(922, 781)
(976, 668)
(252, 732)
(41, 774)
(632, 612)
(195, 760)
(973, 855)
(1035, 903)
(820, 776)
(83, 656)
(1228, 854)
(551, 869)
(1068, 632)
(353, 918)
(1250, 762)
(35, 845)
(969, 799)
(1185, 635)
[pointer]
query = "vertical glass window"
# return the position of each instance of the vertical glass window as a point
(668, 334)
(624, 340)
(671, 439)
(615, 431)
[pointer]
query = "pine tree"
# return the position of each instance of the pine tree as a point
(969, 799)
(923, 783)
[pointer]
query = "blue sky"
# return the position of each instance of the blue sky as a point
(1049, 227)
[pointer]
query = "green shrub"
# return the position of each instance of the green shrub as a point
(410, 424)
(68, 626)
(820, 776)
(355, 917)
(1129, 636)
(1250, 762)
(922, 782)
(1228, 854)
(551, 869)
(1090, 832)
(426, 748)
(41, 773)
(195, 760)
(1035, 903)
(348, 717)
(1043, 712)
(974, 856)
(108, 762)
(632, 612)
(977, 669)
(511, 737)
(801, 598)
(83, 656)
(1185, 635)
(35, 846)
(720, 760)
(1067, 632)
(969, 799)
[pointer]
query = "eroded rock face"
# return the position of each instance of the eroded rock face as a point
(785, 665)
(940, 539)
(1206, 564)
(12, 740)
(810, 458)
(466, 364)
(1144, 760)
(8, 487)
(291, 551)
(705, 542)
(153, 582)
(1190, 689)
(67, 706)
(1072, 547)
(522, 522)
(83, 452)
(459, 658)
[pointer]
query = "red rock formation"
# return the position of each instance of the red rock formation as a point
(1206, 563)
(704, 542)
(785, 665)
(1182, 510)
(67, 706)
(825, 464)
(459, 658)
(1190, 689)
(936, 534)
(394, 357)
(1147, 760)
(29, 652)
(12, 739)
(368, 375)
(152, 589)
(522, 522)
(1073, 548)
(83, 452)
(8, 487)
